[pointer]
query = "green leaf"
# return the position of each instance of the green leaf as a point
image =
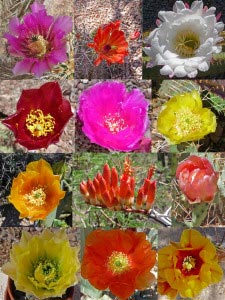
(47, 222)
(217, 102)
(170, 88)
(199, 212)
(88, 290)
(59, 167)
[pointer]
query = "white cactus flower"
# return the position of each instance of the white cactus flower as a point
(185, 40)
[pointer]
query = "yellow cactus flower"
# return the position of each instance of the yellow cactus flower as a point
(43, 265)
(36, 192)
(183, 119)
(189, 266)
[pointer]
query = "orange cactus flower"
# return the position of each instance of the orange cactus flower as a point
(108, 190)
(110, 44)
(189, 266)
(117, 259)
(36, 192)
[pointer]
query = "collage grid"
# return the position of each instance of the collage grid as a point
(112, 142)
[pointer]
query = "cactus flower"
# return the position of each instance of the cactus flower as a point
(112, 117)
(110, 44)
(183, 119)
(36, 192)
(185, 40)
(39, 39)
(189, 266)
(41, 116)
(197, 179)
(43, 265)
(117, 259)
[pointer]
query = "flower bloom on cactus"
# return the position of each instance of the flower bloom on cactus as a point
(112, 117)
(183, 119)
(41, 116)
(117, 259)
(110, 44)
(185, 40)
(36, 192)
(40, 40)
(189, 266)
(197, 179)
(43, 265)
(108, 190)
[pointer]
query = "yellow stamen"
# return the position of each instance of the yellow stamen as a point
(38, 46)
(187, 122)
(114, 123)
(118, 262)
(189, 263)
(39, 124)
(186, 43)
(36, 197)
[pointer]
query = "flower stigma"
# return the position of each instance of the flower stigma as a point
(186, 43)
(118, 263)
(114, 123)
(38, 46)
(108, 47)
(45, 273)
(39, 124)
(189, 263)
(36, 197)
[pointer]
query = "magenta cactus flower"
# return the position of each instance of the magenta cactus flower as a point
(40, 40)
(112, 117)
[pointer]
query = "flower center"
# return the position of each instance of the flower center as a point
(114, 123)
(36, 197)
(189, 263)
(38, 46)
(187, 122)
(186, 43)
(118, 262)
(39, 124)
(106, 48)
(45, 273)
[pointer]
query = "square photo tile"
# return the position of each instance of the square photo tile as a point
(183, 39)
(108, 39)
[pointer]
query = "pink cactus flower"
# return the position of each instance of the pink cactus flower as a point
(40, 40)
(197, 179)
(112, 117)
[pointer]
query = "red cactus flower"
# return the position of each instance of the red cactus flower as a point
(135, 35)
(40, 117)
(110, 44)
(108, 190)
(120, 260)
(197, 179)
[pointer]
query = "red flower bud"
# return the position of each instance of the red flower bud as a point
(106, 174)
(197, 179)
